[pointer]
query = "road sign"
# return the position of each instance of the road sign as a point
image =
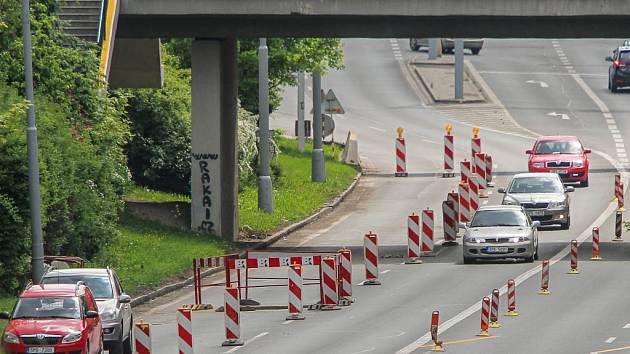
(331, 104)
(329, 125)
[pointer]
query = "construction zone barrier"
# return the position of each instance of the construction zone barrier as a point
(595, 249)
(473, 190)
(620, 198)
(142, 337)
(618, 187)
(574, 258)
(494, 310)
(489, 166)
(370, 252)
(345, 275)
(449, 149)
(485, 317)
(544, 282)
(454, 198)
(449, 223)
(435, 321)
(295, 293)
(413, 239)
(511, 295)
(464, 202)
(475, 144)
(184, 331)
(427, 232)
(330, 294)
(401, 155)
(618, 226)
(198, 264)
(465, 170)
(232, 315)
(480, 170)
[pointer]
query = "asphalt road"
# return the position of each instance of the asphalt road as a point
(585, 313)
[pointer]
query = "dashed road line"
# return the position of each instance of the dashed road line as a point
(378, 129)
(610, 340)
(287, 322)
(260, 335)
(386, 271)
(626, 326)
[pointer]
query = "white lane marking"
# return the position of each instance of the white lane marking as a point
(623, 159)
(616, 136)
(612, 127)
(386, 271)
(618, 140)
(247, 342)
(610, 121)
(484, 202)
(378, 129)
(569, 68)
(529, 73)
(393, 40)
(309, 238)
(607, 115)
(622, 154)
(489, 192)
(614, 130)
(621, 150)
(561, 115)
(626, 326)
(370, 349)
(287, 322)
(541, 83)
(602, 106)
(619, 145)
(610, 340)
(476, 307)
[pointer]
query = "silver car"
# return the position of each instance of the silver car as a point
(542, 195)
(113, 304)
(448, 44)
(501, 231)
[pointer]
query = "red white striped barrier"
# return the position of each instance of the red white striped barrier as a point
(494, 310)
(618, 226)
(142, 337)
(330, 294)
(473, 193)
(272, 262)
(620, 197)
(574, 258)
(485, 317)
(464, 203)
(449, 149)
(544, 283)
(413, 239)
(448, 223)
(489, 167)
(345, 274)
(370, 252)
(595, 253)
(401, 155)
(618, 188)
(232, 316)
(435, 322)
(475, 144)
(480, 170)
(511, 295)
(184, 331)
(295, 293)
(427, 231)
(209, 262)
(454, 198)
(465, 170)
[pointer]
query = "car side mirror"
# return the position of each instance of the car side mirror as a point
(609, 58)
(124, 299)
(529, 152)
(91, 314)
(536, 224)
(501, 190)
(569, 189)
(4, 315)
(463, 226)
(587, 151)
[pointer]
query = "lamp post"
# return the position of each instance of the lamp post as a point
(265, 189)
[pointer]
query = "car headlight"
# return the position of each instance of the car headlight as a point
(11, 338)
(72, 337)
(518, 239)
(108, 316)
(538, 164)
(476, 240)
(557, 205)
(578, 163)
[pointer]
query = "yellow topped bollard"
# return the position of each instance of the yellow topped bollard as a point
(400, 131)
(449, 129)
(475, 131)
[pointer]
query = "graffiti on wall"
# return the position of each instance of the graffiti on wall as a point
(206, 224)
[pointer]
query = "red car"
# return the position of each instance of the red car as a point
(563, 155)
(54, 318)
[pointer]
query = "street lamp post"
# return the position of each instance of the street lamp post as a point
(37, 257)
(265, 189)
(318, 164)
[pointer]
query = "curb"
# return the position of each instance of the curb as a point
(429, 90)
(253, 246)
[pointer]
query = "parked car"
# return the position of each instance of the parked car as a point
(448, 44)
(564, 155)
(543, 197)
(619, 70)
(113, 304)
(54, 318)
(502, 231)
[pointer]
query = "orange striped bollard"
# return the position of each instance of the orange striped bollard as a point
(401, 155)
(485, 317)
(544, 283)
(295, 293)
(370, 254)
(494, 310)
(142, 337)
(595, 253)
(232, 312)
(574, 258)
(620, 201)
(449, 150)
(618, 226)
(511, 295)
(413, 239)
(184, 331)
(475, 144)
(435, 321)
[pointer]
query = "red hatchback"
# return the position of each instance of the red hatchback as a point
(53, 318)
(563, 155)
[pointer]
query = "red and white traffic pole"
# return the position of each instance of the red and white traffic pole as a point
(544, 283)
(511, 295)
(449, 149)
(295, 293)
(473, 194)
(489, 182)
(401, 155)
(494, 310)
(574, 258)
(618, 226)
(427, 232)
(480, 170)
(465, 170)
(464, 202)
(449, 224)
(345, 274)
(435, 322)
(232, 311)
(475, 144)
(485, 317)
(454, 198)
(142, 337)
(184, 331)
(595, 253)
(330, 299)
(370, 253)
(413, 239)
(618, 188)
(620, 198)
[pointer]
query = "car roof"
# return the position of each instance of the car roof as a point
(77, 271)
(43, 290)
(623, 48)
(535, 174)
(500, 207)
(558, 137)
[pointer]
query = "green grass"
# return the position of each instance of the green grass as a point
(145, 194)
(6, 304)
(295, 197)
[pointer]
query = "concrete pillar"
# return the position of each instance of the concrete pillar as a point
(459, 69)
(214, 177)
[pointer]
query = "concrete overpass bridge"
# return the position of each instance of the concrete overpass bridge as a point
(216, 24)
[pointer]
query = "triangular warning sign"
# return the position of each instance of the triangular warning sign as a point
(331, 104)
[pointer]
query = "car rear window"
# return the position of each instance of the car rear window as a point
(100, 285)
(47, 307)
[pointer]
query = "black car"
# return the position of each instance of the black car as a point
(619, 71)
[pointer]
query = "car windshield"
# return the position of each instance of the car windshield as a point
(558, 147)
(100, 285)
(47, 307)
(536, 185)
(486, 218)
(625, 56)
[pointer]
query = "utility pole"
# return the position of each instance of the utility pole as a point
(300, 123)
(37, 257)
(265, 190)
(433, 48)
(318, 165)
(459, 69)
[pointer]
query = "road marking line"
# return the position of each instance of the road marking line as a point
(626, 326)
(610, 121)
(537, 73)
(611, 350)
(619, 145)
(602, 106)
(623, 159)
(610, 340)
(607, 115)
(460, 341)
(616, 136)
(247, 342)
(612, 127)
(622, 154)
(386, 271)
(618, 140)
(309, 238)
(484, 202)
(621, 150)
(375, 128)
(370, 349)
(614, 130)
(287, 322)
(569, 68)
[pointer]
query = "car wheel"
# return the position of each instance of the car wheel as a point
(613, 88)
(530, 259)
(566, 225)
(468, 260)
(475, 51)
(116, 347)
(584, 183)
(536, 253)
(127, 347)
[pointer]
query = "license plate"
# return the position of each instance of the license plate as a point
(497, 249)
(560, 172)
(40, 349)
(537, 212)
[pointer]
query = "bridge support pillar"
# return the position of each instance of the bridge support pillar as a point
(214, 175)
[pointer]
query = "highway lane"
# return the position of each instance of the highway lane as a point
(387, 318)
